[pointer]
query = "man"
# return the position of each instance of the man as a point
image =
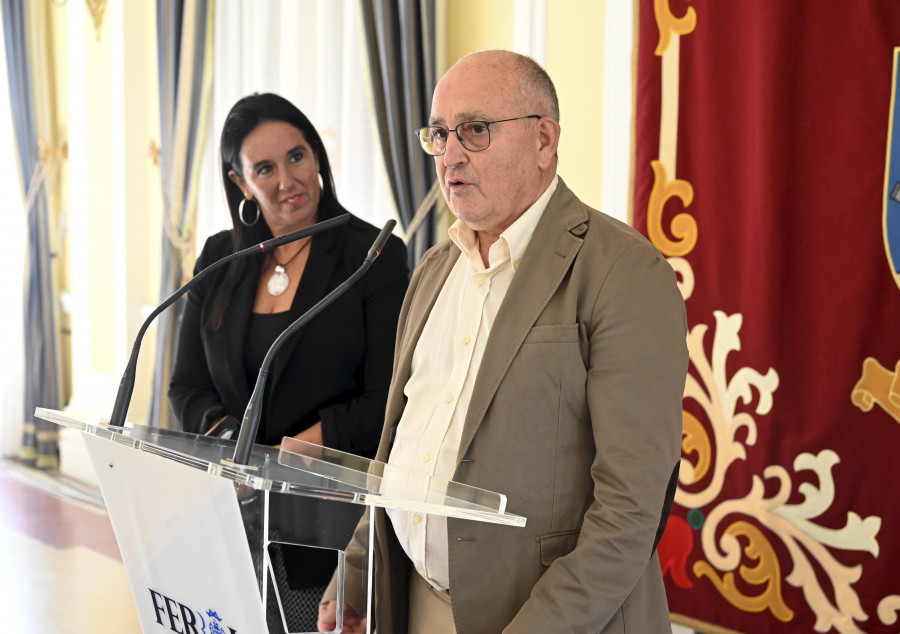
(540, 354)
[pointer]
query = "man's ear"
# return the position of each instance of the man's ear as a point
(548, 138)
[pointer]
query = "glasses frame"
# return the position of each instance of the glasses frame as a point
(487, 126)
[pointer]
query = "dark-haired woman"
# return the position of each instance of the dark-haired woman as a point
(328, 384)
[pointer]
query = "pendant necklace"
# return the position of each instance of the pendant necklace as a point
(279, 280)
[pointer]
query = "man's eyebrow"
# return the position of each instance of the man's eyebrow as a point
(460, 117)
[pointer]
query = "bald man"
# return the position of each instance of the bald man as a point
(540, 354)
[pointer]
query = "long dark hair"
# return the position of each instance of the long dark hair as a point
(242, 119)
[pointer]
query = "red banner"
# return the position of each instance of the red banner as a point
(763, 139)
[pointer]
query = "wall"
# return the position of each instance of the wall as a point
(575, 62)
(113, 199)
(567, 38)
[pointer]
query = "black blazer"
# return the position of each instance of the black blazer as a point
(336, 369)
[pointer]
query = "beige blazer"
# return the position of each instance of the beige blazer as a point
(576, 418)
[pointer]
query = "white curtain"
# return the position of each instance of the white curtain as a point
(311, 52)
(12, 272)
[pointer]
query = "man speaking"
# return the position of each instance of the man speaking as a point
(540, 354)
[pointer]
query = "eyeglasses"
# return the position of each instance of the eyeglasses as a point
(475, 136)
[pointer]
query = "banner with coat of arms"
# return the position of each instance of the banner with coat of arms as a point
(767, 171)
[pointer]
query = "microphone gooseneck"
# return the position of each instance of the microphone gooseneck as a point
(250, 422)
(126, 385)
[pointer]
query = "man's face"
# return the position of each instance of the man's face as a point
(488, 189)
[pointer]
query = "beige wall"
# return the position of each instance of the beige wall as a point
(112, 197)
(473, 25)
(575, 62)
(574, 59)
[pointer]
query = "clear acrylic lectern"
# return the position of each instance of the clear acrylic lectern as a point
(194, 528)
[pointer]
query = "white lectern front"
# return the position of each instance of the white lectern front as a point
(194, 528)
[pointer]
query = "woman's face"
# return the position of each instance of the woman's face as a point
(281, 175)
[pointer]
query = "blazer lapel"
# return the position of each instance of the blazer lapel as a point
(230, 338)
(319, 270)
(426, 293)
(553, 247)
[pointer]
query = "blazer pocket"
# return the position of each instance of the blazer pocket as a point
(566, 333)
(556, 545)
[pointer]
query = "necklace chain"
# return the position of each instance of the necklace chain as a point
(279, 281)
(293, 257)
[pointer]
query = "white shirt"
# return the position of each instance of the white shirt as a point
(442, 376)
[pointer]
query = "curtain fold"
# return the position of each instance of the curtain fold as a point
(400, 40)
(185, 58)
(42, 367)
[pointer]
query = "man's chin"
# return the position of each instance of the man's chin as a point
(467, 212)
(471, 222)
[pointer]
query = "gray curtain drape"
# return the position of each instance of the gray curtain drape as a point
(400, 39)
(185, 55)
(42, 372)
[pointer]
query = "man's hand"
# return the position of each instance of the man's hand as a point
(353, 622)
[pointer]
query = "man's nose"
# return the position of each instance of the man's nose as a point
(455, 152)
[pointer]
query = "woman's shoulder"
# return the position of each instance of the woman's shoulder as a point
(359, 236)
(217, 246)
(360, 228)
(364, 233)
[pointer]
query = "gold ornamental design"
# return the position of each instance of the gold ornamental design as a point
(683, 227)
(668, 24)
(878, 386)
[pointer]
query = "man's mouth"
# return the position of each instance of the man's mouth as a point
(455, 184)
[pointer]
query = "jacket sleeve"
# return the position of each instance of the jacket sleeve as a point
(355, 425)
(191, 391)
(637, 368)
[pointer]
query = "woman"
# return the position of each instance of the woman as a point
(328, 384)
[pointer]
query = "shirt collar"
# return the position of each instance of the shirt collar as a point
(515, 238)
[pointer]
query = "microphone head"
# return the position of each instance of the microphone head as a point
(382, 238)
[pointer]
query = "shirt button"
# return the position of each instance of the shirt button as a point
(480, 281)
(448, 398)
(421, 571)
(417, 518)
(426, 458)
(466, 340)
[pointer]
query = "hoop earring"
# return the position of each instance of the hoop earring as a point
(241, 213)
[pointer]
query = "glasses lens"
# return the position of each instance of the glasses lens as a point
(433, 140)
(475, 135)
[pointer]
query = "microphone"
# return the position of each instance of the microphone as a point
(126, 385)
(250, 423)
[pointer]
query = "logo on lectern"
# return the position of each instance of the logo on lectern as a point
(180, 618)
(214, 627)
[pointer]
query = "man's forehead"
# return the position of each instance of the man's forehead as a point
(473, 90)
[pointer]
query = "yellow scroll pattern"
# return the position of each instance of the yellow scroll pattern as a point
(766, 574)
(668, 24)
(683, 227)
(878, 385)
(694, 441)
